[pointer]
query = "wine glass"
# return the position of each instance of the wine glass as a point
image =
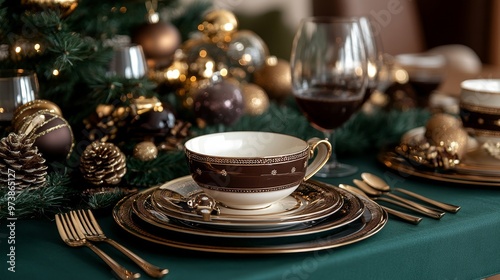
(329, 77)
(17, 87)
(374, 56)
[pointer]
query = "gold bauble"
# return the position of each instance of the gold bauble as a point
(145, 151)
(65, 7)
(275, 78)
(23, 112)
(446, 131)
(218, 25)
(255, 99)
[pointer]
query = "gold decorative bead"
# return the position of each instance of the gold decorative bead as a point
(145, 151)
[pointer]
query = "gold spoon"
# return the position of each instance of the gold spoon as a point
(403, 216)
(404, 202)
(378, 183)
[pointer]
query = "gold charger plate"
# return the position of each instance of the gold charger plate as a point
(351, 210)
(310, 201)
(397, 163)
(373, 219)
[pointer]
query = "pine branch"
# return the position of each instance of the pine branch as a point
(167, 166)
(42, 201)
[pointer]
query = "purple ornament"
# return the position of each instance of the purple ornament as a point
(219, 103)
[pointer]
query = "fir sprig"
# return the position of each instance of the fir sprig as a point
(54, 197)
(167, 166)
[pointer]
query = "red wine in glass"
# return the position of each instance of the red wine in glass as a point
(328, 109)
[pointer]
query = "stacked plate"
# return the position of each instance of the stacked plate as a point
(476, 168)
(316, 216)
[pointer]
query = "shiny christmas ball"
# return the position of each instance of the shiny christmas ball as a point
(204, 58)
(446, 131)
(65, 7)
(218, 25)
(159, 41)
(247, 50)
(275, 78)
(255, 98)
(156, 121)
(52, 133)
(219, 103)
(23, 112)
(145, 151)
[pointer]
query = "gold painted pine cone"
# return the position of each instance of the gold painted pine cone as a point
(21, 163)
(103, 164)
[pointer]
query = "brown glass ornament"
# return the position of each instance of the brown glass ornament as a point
(219, 103)
(159, 41)
(152, 118)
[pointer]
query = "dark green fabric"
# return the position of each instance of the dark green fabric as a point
(465, 245)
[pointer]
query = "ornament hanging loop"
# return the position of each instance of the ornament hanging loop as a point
(152, 7)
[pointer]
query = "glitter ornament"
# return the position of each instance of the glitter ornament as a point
(255, 98)
(275, 78)
(145, 151)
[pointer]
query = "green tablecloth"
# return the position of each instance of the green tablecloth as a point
(465, 245)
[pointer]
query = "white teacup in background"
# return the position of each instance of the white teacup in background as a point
(480, 114)
(480, 108)
(251, 170)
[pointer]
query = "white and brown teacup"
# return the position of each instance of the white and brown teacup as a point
(251, 170)
(480, 108)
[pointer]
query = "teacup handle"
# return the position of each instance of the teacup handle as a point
(322, 156)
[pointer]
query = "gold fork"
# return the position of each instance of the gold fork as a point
(93, 232)
(72, 235)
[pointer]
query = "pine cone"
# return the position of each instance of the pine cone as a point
(21, 163)
(103, 164)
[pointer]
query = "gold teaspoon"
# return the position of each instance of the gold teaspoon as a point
(403, 216)
(378, 183)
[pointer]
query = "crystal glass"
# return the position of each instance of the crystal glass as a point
(374, 55)
(17, 87)
(329, 77)
(128, 62)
